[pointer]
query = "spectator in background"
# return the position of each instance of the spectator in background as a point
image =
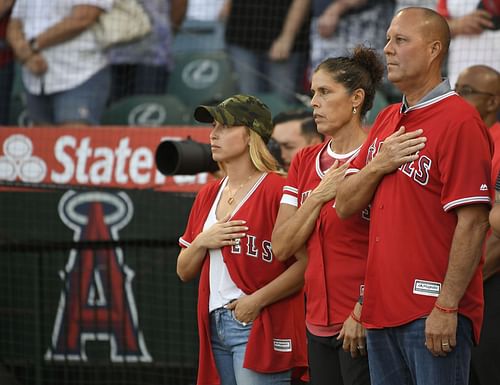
(208, 10)
(338, 26)
(480, 86)
(475, 35)
(294, 130)
(6, 63)
(142, 67)
(400, 4)
(268, 43)
(65, 73)
(203, 27)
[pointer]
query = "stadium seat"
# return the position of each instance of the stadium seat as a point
(205, 77)
(146, 110)
(276, 103)
(379, 103)
(199, 36)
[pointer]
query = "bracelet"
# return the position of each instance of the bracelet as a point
(33, 43)
(445, 309)
(355, 318)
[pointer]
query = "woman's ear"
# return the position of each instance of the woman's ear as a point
(357, 98)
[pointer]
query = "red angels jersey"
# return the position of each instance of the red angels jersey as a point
(412, 216)
(337, 249)
(495, 163)
(277, 340)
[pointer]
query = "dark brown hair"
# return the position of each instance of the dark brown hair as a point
(362, 69)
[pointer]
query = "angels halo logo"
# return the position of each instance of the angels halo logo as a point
(97, 302)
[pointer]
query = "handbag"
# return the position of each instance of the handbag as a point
(124, 22)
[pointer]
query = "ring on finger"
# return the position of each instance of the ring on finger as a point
(361, 347)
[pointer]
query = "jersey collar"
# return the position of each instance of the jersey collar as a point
(441, 91)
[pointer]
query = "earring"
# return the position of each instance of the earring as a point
(354, 110)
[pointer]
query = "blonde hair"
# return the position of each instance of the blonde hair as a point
(260, 155)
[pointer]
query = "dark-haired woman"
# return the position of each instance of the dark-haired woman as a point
(343, 91)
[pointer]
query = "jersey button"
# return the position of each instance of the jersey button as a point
(377, 239)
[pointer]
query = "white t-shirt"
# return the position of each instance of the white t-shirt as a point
(222, 287)
(70, 63)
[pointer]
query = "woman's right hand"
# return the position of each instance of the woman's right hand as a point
(326, 190)
(222, 233)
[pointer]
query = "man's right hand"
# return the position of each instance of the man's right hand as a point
(399, 148)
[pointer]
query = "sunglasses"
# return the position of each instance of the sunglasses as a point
(468, 90)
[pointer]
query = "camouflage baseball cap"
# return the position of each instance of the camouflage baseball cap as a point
(239, 110)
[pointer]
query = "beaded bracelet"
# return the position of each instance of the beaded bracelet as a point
(445, 309)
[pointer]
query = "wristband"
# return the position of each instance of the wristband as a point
(353, 316)
(33, 43)
(445, 309)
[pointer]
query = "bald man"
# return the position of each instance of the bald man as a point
(425, 173)
(480, 86)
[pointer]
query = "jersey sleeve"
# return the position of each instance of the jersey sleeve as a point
(290, 189)
(464, 162)
(193, 225)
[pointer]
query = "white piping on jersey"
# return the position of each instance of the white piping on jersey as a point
(428, 102)
(222, 185)
(462, 201)
(291, 189)
(249, 193)
(183, 242)
(349, 156)
(289, 200)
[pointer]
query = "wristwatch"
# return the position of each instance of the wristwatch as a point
(33, 43)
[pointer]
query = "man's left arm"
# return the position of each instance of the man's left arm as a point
(465, 254)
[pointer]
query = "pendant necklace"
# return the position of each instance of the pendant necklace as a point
(230, 200)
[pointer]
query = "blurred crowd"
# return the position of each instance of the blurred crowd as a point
(50, 57)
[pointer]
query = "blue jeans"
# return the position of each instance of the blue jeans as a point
(257, 74)
(82, 104)
(398, 356)
(229, 342)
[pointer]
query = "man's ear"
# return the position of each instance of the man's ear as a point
(436, 47)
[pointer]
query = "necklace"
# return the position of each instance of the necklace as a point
(232, 195)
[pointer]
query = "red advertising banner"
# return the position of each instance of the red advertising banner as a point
(118, 157)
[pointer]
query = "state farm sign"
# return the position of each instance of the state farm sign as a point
(121, 157)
